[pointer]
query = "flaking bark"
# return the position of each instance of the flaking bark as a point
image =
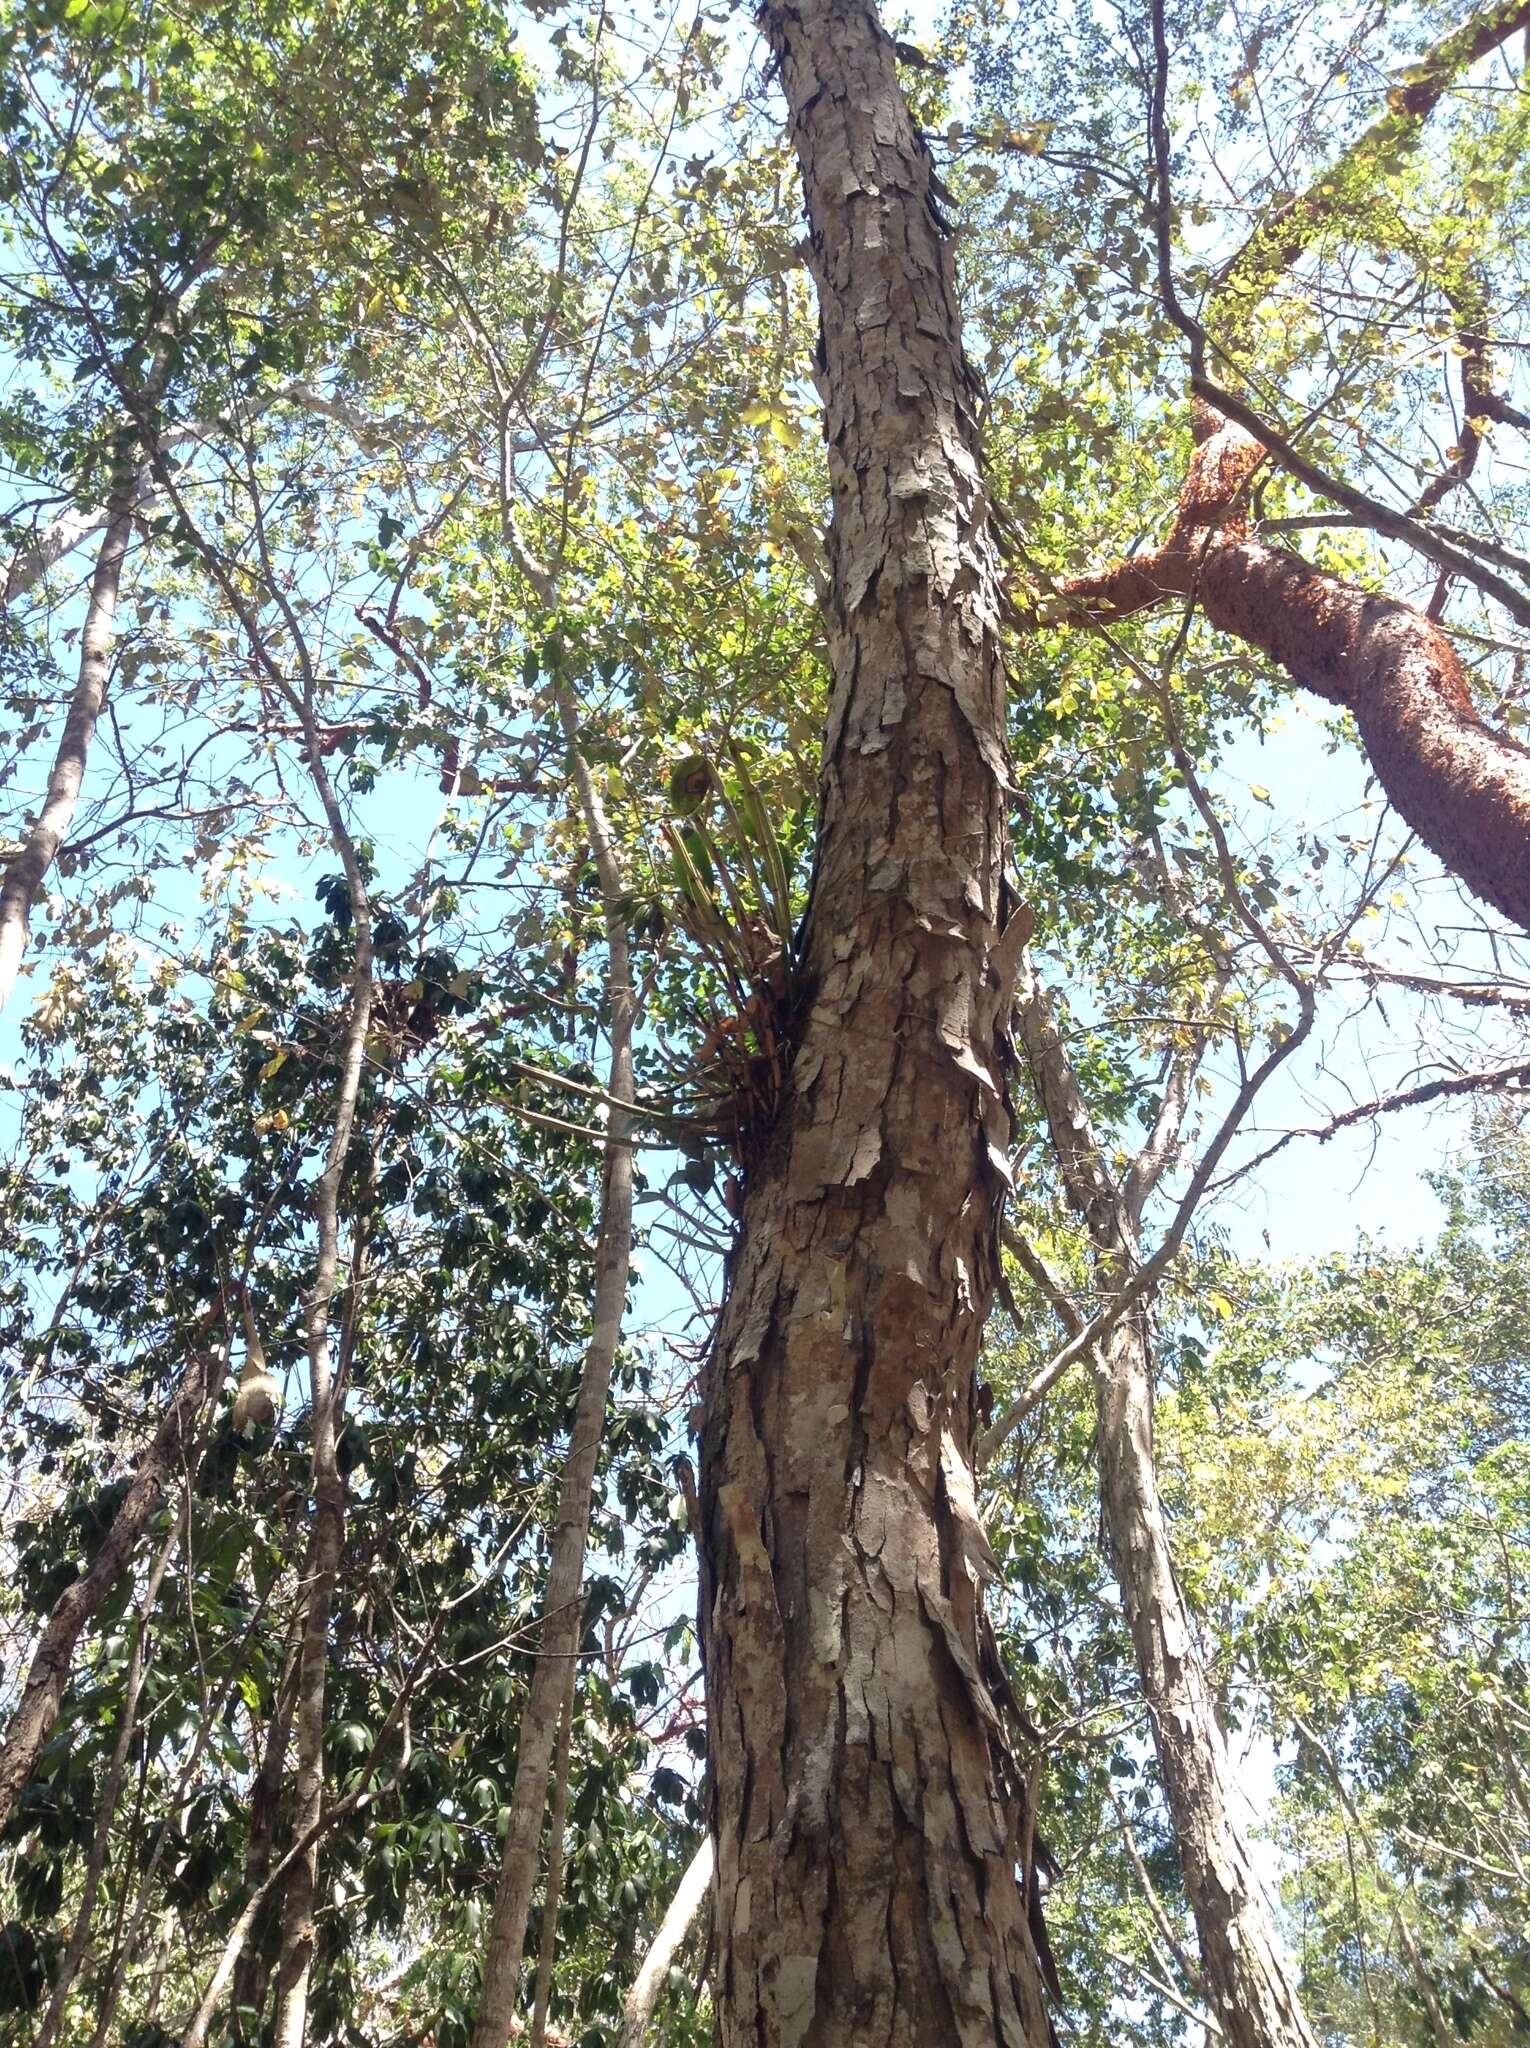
(866, 1812)
(1464, 788)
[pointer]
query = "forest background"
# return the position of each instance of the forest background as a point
(415, 675)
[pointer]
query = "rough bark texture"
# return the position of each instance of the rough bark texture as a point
(563, 1610)
(1248, 1979)
(37, 1709)
(866, 1814)
(1464, 788)
(25, 874)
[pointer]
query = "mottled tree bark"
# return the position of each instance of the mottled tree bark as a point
(1248, 1978)
(563, 1607)
(1464, 788)
(37, 1709)
(866, 1814)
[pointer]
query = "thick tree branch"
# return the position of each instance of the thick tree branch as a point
(1464, 788)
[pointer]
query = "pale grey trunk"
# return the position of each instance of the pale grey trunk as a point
(27, 870)
(563, 1608)
(647, 1985)
(70, 530)
(1248, 1979)
(866, 1810)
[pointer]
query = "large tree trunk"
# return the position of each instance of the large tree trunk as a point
(866, 1885)
(37, 1709)
(563, 1609)
(1464, 788)
(1248, 1978)
(27, 870)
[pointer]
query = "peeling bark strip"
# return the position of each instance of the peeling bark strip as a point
(37, 1709)
(866, 1885)
(1463, 788)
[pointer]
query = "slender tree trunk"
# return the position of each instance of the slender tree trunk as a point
(557, 1822)
(252, 1972)
(26, 872)
(111, 1793)
(867, 1814)
(161, 1964)
(1248, 1978)
(295, 1965)
(126, 1945)
(37, 1709)
(562, 1612)
(638, 2009)
(326, 1546)
(1464, 788)
(1249, 1981)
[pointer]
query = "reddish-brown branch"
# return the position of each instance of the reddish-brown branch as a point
(1464, 788)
